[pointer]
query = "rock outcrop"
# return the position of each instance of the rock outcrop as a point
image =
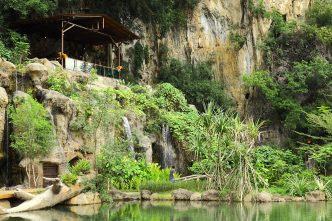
(3, 106)
(181, 194)
(264, 197)
(211, 195)
(84, 199)
(117, 195)
(314, 196)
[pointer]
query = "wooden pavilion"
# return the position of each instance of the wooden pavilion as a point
(91, 29)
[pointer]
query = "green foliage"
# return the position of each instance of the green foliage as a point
(165, 186)
(170, 98)
(82, 166)
(141, 55)
(302, 89)
(138, 58)
(123, 172)
(272, 163)
(58, 81)
(237, 40)
(321, 149)
(97, 111)
(69, 178)
(163, 15)
(323, 184)
(224, 148)
(33, 134)
(183, 125)
(320, 13)
(27, 8)
(14, 47)
(298, 184)
(195, 81)
(257, 9)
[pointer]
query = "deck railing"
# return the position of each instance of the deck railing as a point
(79, 65)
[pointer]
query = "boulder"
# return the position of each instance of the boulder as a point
(84, 199)
(211, 195)
(7, 66)
(278, 199)
(161, 197)
(48, 64)
(37, 72)
(264, 197)
(146, 194)
(196, 197)
(5, 80)
(248, 198)
(297, 199)
(314, 196)
(117, 195)
(132, 196)
(181, 194)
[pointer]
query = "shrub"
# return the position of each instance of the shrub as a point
(164, 186)
(272, 163)
(237, 40)
(69, 178)
(298, 184)
(196, 82)
(171, 98)
(82, 166)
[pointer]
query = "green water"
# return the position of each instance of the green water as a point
(183, 211)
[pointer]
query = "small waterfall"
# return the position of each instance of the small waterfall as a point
(127, 130)
(16, 81)
(168, 151)
(6, 143)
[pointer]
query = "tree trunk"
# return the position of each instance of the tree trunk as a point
(55, 194)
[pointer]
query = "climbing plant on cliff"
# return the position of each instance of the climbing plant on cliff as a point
(297, 76)
(33, 134)
(196, 82)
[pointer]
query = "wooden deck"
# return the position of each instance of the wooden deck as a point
(7, 194)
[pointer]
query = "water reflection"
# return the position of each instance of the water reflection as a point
(182, 211)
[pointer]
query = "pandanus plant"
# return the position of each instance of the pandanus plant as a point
(224, 149)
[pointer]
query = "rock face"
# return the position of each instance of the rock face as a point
(314, 196)
(181, 194)
(7, 66)
(37, 72)
(196, 197)
(211, 195)
(146, 194)
(84, 199)
(117, 195)
(206, 36)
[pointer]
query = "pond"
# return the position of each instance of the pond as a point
(182, 211)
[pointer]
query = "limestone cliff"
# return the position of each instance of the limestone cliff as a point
(207, 37)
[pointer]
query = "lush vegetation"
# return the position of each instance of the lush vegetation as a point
(166, 186)
(195, 81)
(296, 81)
(80, 168)
(33, 135)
